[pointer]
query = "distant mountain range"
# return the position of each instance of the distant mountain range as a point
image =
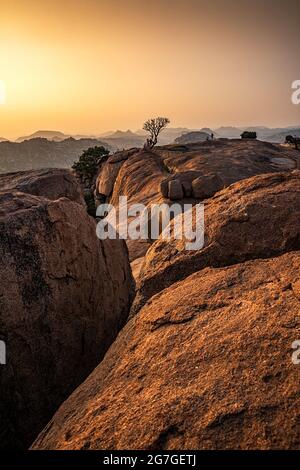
(120, 140)
(50, 135)
(275, 135)
(116, 140)
(46, 148)
(123, 139)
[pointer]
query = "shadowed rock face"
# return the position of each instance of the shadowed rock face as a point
(206, 364)
(255, 218)
(64, 295)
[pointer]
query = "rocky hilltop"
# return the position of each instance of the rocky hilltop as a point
(64, 295)
(204, 361)
(187, 173)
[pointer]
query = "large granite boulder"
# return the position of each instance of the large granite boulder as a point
(50, 183)
(64, 295)
(207, 364)
(255, 218)
(175, 190)
(138, 180)
(206, 186)
(107, 178)
(109, 171)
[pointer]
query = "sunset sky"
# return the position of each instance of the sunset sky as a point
(92, 66)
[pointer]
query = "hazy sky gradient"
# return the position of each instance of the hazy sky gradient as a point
(91, 66)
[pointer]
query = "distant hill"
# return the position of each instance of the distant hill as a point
(3, 140)
(56, 136)
(280, 135)
(275, 135)
(122, 134)
(191, 137)
(120, 140)
(229, 132)
(117, 140)
(43, 153)
(50, 135)
(208, 130)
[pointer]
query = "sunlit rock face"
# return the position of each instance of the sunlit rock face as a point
(206, 364)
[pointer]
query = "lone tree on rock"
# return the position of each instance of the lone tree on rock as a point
(154, 126)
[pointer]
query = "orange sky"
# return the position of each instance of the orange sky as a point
(92, 66)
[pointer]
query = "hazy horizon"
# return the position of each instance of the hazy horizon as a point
(108, 132)
(103, 65)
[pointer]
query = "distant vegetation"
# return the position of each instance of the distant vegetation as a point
(249, 135)
(154, 126)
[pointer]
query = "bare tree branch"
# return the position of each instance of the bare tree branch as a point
(154, 126)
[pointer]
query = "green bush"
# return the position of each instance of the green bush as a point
(89, 161)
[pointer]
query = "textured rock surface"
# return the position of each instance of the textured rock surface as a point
(175, 190)
(231, 160)
(198, 171)
(49, 183)
(255, 218)
(205, 365)
(206, 186)
(108, 177)
(204, 168)
(109, 171)
(64, 295)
